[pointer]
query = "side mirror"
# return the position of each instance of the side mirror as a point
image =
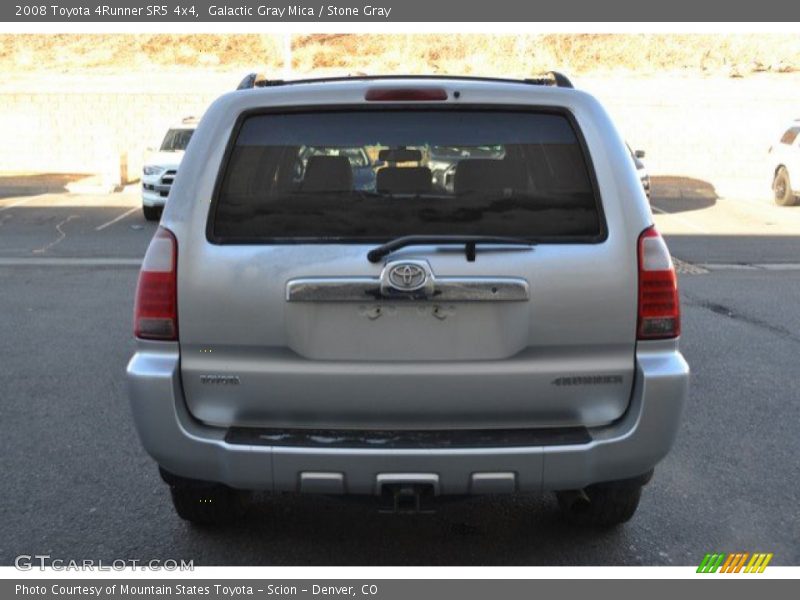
(150, 149)
(639, 154)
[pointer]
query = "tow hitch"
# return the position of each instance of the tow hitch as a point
(411, 498)
(407, 492)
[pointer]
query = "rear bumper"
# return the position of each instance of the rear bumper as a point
(627, 448)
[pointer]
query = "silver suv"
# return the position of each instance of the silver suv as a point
(515, 332)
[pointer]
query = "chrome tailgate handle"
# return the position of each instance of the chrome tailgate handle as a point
(442, 289)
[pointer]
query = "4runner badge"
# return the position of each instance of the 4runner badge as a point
(588, 380)
(219, 379)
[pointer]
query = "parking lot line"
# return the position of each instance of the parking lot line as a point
(70, 262)
(17, 203)
(751, 266)
(115, 219)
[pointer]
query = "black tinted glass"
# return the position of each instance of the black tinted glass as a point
(375, 175)
(176, 139)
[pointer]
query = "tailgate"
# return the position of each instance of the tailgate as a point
(285, 323)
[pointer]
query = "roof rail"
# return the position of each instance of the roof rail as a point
(551, 78)
(253, 80)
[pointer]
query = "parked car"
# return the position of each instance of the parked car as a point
(641, 169)
(162, 166)
(785, 165)
(516, 334)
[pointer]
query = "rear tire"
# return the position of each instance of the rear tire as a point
(601, 505)
(782, 188)
(207, 504)
(151, 213)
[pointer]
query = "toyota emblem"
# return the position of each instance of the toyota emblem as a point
(407, 277)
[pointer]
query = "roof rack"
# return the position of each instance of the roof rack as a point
(551, 78)
(253, 80)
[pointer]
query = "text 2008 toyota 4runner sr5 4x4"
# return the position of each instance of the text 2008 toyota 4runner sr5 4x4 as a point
(511, 329)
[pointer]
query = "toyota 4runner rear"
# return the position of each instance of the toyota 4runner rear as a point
(407, 287)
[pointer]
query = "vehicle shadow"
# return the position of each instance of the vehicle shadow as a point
(486, 530)
(676, 193)
(34, 184)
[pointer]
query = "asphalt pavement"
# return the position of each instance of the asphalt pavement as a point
(76, 483)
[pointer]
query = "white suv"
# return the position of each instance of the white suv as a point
(161, 167)
(786, 166)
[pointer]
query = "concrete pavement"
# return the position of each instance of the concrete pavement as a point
(78, 485)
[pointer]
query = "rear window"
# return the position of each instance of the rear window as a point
(370, 176)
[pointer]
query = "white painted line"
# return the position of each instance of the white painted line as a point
(70, 262)
(680, 219)
(727, 267)
(116, 219)
(751, 267)
(17, 203)
(61, 236)
(778, 266)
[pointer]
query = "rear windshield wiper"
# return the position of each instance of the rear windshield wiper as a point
(469, 241)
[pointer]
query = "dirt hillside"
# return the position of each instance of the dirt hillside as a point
(732, 55)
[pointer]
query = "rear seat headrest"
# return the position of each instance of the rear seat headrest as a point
(328, 174)
(404, 180)
(484, 175)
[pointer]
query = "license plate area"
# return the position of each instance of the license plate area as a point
(415, 331)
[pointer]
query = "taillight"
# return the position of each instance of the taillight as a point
(423, 94)
(659, 304)
(155, 315)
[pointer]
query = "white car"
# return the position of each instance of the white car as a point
(785, 164)
(162, 165)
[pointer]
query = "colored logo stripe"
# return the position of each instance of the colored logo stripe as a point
(710, 563)
(758, 563)
(733, 563)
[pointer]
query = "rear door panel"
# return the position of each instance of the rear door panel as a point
(562, 356)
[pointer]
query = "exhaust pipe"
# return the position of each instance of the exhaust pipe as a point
(574, 500)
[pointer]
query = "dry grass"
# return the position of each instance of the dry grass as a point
(735, 55)
(115, 52)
